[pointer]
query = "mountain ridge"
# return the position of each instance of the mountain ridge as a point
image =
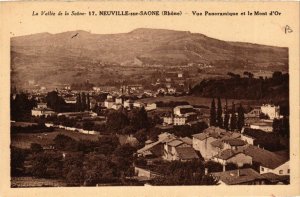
(139, 47)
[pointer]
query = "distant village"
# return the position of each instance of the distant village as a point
(231, 144)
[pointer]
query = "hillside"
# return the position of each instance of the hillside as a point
(63, 56)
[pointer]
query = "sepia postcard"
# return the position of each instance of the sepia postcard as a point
(149, 98)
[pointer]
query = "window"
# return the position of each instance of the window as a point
(280, 171)
(288, 171)
(262, 169)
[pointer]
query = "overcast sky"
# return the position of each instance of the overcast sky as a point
(267, 30)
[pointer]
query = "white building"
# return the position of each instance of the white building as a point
(247, 138)
(168, 120)
(42, 112)
(128, 104)
(116, 106)
(108, 103)
(181, 110)
(150, 106)
(180, 120)
(281, 169)
(138, 104)
(271, 110)
(171, 90)
(119, 100)
(42, 105)
(269, 161)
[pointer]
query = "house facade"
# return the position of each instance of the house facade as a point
(272, 111)
(283, 169)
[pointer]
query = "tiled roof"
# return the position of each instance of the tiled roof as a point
(184, 106)
(186, 153)
(254, 133)
(231, 177)
(264, 157)
(175, 143)
(200, 136)
(227, 154)
(217, 143)
(274, 177)
(148, 147)
(187, 140)
(235, 142)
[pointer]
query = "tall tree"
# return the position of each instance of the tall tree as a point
(241, 117)
(219, 114)
(54, 101)
(233, 120)
(139, 119)
(226, 117)
(83, 101)
(78, 102)
(88, 101)
(213, 113)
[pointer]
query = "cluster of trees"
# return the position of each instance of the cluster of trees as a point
(275, 88)
(180, 130)
(82, 102)
(55, 102)
(77, 162)
(184, 173)
(39, 128)
(233, 121)
(20, 106)
(171, 103)
(282, 126)
(82, 86)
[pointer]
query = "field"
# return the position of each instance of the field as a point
(194, 100)
(23, 140)
(36, 182)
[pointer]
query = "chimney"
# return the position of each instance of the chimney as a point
(238, 172)
(224, 168)
(206, 171)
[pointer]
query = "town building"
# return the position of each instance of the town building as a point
(128, 104)
(232, 156)
(176, 149)
(245, 176)
(272, 111)
(42, 110)
(119, 100)
(269, 162)
(42, 105)
(214, 139)
(254, 113)
(46, 112)
(138, 104)
(150, 106)
(116, 106)
(183, 109)
(108, 103)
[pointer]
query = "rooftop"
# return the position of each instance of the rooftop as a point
(235, 142)
(184, 106)
(266, 158)
(187, 140)
(200, 136)
(174, 142)
(232, 178)
(227, 154)
(186, 153)
(217, 143)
